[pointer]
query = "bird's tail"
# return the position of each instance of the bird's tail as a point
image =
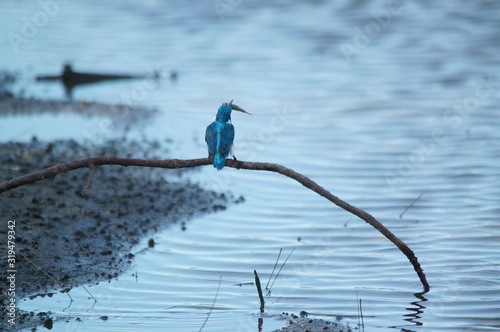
(219, 161)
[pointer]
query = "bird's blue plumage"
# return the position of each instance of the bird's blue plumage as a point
(219, 136)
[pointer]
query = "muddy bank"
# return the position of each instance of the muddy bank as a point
(303, 323)
(85, 239)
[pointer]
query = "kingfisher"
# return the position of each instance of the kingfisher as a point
(220, 135)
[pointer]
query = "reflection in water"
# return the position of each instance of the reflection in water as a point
(417, 310)
(71, 79)
(119, 115)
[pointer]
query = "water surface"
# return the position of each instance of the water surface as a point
(377, 119)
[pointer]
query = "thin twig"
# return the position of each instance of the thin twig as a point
(89, 180)
(259, 290)
(411, 204)
(48, 275)
(281, 268)
(95, 300)
(51, 172)
(361, 320)
(345, 224)
(361, 311)
(357, 307)
(274, 268)
(213, 305)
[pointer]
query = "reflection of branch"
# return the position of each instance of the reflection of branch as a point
(51, 172)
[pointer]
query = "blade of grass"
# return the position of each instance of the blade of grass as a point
(213, 305)
(411, 204)
(282, 266)
(274, 268)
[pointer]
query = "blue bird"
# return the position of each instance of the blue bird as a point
(220, 135)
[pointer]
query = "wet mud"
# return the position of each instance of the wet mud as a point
(305, 322)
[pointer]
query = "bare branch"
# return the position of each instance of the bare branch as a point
(306, 182)
(51, 172)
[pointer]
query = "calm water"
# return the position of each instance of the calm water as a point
(376, 103)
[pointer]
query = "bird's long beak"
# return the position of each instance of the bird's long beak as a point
(235, 107)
